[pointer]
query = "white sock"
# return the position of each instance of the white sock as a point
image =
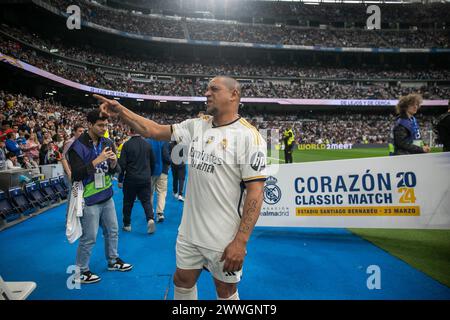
(234, 296)
(185, 293)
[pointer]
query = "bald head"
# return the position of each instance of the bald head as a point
(222, 97)
(230, 83)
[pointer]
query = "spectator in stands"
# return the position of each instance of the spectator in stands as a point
(29, 163)
(46, 136)
(407, 136)
(2, 156)
(10, 102)
(21, 140)
(32, 146)
(43, 153)
(6, 128)
(93, 161)
(15, 129)
(58, 140)
(77, 131)
(12, 145)
(12, 162)
(185, 86)
(53, 155)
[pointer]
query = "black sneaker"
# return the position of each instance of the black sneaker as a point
(119, 266)
(87, 277)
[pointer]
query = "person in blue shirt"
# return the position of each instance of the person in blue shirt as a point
(21, 140)
(12, 145)
(159, 175)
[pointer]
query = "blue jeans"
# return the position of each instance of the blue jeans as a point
(103, 214)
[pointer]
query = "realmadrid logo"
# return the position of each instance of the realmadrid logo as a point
(258, 161)
(272, 193)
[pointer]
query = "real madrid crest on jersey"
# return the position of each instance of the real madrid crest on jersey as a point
(272, 193)
(224, 143)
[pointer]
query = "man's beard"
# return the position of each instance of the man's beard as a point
(211, 111)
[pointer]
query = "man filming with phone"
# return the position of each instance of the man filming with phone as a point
(93, 161)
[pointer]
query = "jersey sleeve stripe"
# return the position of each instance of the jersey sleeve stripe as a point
(252, 129)
(254, 178)
(258, 135)
(243, 122)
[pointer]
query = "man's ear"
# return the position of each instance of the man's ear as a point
(234, 95)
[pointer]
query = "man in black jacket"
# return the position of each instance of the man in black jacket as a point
(137, 162)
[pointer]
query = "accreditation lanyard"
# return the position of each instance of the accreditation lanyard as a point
(417, 141)
(415, 127)
(99, 176)
(98, 148)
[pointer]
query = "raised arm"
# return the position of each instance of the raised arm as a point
(145, 127)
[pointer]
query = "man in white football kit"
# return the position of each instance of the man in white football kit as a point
(226, 157)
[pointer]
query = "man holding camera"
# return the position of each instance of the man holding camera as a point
(93, 161)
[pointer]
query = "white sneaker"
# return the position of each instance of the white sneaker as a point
(126, 228)
(86, 278)
(160, 217)
(151, 226)
(180, 198)
(175, 195)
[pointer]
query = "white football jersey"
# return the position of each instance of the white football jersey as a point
(220, 159)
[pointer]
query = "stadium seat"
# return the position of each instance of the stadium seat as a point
(7, 210)
(16, 290)
(20, 201)
(48, 191)
(35, 195)
(63, 183)
(58, 188)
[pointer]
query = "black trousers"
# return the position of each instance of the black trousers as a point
(143, 192)
(288, 153)
(179, 175)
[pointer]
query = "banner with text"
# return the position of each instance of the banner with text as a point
(282, 101)
(411, 191)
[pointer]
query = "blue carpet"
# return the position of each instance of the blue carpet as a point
(282, 263)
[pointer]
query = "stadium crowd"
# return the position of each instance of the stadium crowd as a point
(99, 77)
(323, 13)
(254, 33)
(133, 63)
(35, 131)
